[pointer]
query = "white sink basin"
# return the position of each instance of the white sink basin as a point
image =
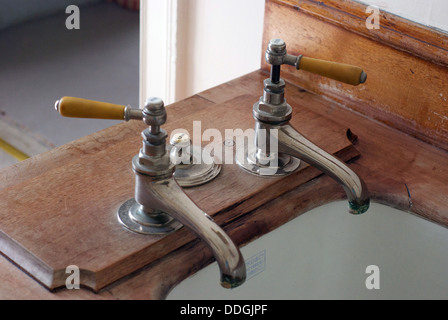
(327, 253)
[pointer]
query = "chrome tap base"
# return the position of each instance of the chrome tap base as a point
(196, 173)
(132, 217)
(285, 164)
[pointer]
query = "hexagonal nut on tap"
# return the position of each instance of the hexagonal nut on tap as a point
(274, 87)
(282, 110)
(273, 100)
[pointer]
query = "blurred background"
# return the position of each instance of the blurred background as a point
(41, 61)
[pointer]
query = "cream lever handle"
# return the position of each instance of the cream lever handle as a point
(337, 71)
(83, 108)
(276, 55)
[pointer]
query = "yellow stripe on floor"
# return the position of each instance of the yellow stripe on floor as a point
(16, 153)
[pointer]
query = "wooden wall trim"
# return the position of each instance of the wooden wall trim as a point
(406, 85)
(402, 34)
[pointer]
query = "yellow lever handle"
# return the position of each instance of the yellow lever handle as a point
(337, 71)
(83, 108)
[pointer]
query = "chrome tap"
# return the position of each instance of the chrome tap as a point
(160, 205)
(278, 146)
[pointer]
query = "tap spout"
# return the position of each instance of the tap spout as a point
(276, 141)
(293, 143)
(165, 195)
(160, 205)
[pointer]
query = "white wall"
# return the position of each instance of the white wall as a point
(222, 41)
(188, 46)
(433, 13)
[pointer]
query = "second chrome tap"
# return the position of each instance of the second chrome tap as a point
(278, 146)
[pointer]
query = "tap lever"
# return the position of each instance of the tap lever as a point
(83, 108)
(276, 55)
(337, 71)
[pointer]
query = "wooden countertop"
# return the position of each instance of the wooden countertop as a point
(46, 214)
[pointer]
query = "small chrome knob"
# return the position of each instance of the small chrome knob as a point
(154, 114)
(277, 46)
(180, 140)
(276, 52)
(181, 149)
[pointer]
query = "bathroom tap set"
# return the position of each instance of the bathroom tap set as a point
(160, 205)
